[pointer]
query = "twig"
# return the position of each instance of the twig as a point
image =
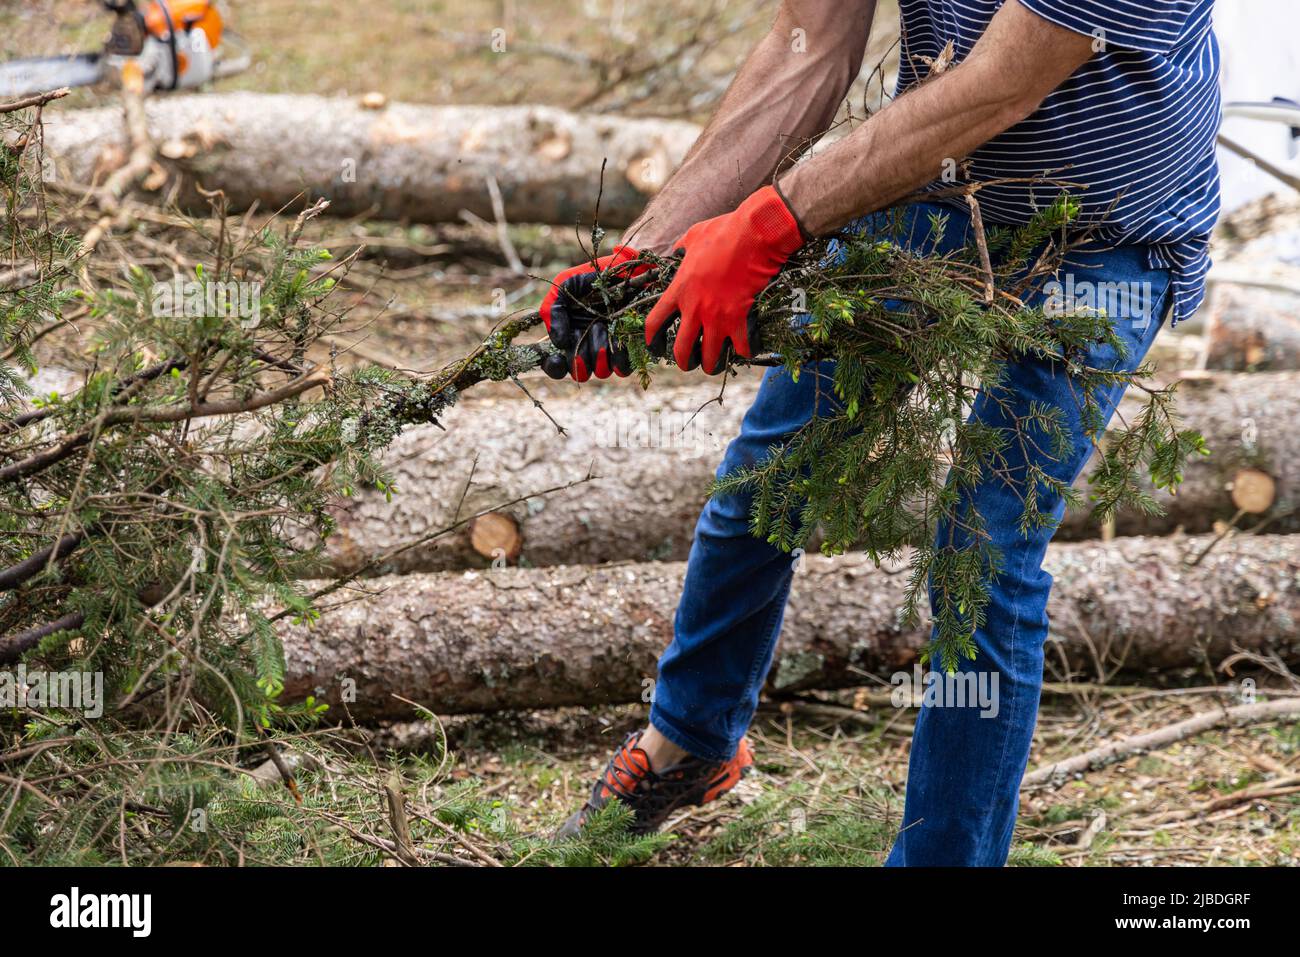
(137, 166)
(981, 241)
(397, 819)
(537, 404)
(1162, 738)
(37, 99)
(19, 572)
(392, 553)
(119, 415)
(1277, 172)
(459, 838)
(277, 759)
(469, 481)
(503, 227)
(1223, 533)
(1278, 787)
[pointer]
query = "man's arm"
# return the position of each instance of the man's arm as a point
(787, 91)
(729, 259)
(1018, 61)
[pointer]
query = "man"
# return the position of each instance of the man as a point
(1118, 96)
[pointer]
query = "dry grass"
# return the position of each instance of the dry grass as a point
(421, 51)
(1189, 804)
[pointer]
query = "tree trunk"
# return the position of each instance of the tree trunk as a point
(1247, 422)
(653, 468)
(1253, 330)
(533, 638)
(401, 162)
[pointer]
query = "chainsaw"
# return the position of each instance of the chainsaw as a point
(172, 44)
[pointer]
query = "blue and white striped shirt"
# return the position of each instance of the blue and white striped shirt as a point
(1134, 126)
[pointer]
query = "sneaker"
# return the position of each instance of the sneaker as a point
(654, 795)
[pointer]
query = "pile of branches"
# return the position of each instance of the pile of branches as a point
(914, 338)
(160, 518)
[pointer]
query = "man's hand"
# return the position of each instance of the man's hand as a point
(727, 261)
(581, 335)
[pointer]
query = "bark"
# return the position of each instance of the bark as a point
(650, 479)
(1247, 420)
(402, 162)
(1253, 330)
(652, 475)
(546, 637)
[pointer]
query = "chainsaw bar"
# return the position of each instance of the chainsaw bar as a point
(19, 78)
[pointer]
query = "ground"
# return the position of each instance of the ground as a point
(426, 51)
(829, 782)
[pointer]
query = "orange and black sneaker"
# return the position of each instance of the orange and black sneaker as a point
(654, 795)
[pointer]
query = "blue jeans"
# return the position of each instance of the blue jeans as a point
(965, 769)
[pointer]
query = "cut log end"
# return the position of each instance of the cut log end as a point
(647, 172)
(555, 146)
(496, 535)
(1253, 491)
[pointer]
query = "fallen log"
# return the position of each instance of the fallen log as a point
(402, 161)
(1253, 330)
(1247, 423)
(654, 454)
(546, 637)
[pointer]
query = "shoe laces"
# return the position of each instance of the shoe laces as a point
(624, 772)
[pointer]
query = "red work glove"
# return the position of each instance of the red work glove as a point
(727, 261)
(581, 335)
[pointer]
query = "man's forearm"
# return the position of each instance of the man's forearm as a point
(1019, 60)
(786, 92)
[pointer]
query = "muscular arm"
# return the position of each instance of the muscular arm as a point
(1018, 61)
(779, 98)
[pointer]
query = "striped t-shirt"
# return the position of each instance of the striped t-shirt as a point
(1134, 126)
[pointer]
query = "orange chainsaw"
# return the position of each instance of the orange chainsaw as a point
(174, 44)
